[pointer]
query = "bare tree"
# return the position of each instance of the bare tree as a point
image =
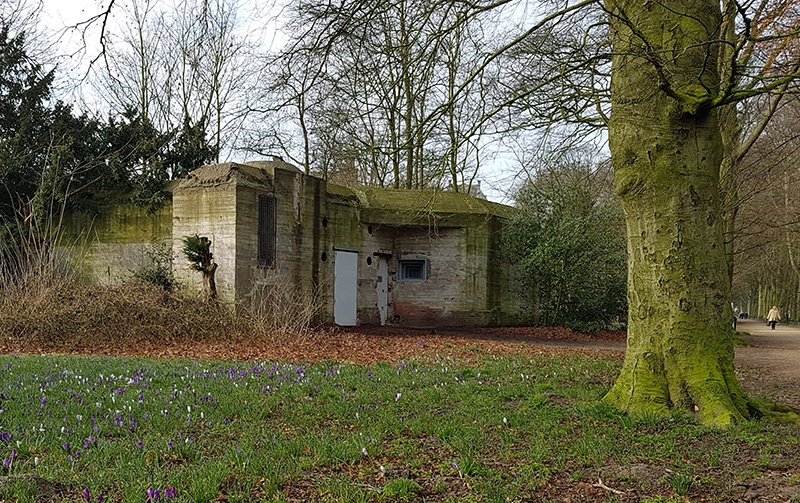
(377, 85)
(768, 225)
(181, 65)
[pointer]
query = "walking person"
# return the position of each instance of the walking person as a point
(773, 317)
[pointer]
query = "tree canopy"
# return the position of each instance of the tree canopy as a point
(52, 158)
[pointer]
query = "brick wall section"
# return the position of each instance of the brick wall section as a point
(455, 292)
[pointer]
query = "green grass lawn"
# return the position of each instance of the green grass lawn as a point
(491, 429)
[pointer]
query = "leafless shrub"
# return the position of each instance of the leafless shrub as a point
(283, 308)
(79, 315)
(30, 257)
(44, 305)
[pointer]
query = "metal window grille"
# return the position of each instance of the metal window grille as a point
(267, 231)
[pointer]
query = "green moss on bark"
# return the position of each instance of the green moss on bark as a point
(667, 151)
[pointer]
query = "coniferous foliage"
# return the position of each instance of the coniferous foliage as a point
(24, 115)
(52, 159)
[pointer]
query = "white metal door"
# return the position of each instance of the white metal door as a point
(383, 288)
(345, 288)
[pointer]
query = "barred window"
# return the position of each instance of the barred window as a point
(266, 231)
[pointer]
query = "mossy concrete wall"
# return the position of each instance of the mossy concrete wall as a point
(458, 235)
(302, 231)
(462, 265)
(106, 246)
(208, 211)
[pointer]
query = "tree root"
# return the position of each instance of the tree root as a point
(773, 412)
(601, 485)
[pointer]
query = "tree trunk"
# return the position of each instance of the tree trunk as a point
(666, 149)
(209, 281)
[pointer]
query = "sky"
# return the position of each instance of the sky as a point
(78, 47)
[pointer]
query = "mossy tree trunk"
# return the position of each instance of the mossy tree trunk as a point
(667, 150)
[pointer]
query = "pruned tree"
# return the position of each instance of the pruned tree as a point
(197, 251)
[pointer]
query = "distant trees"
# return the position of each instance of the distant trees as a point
(375, 93)
(182, 74)
(52, 158)
(767, 239)
(48, 155)
(568, 245)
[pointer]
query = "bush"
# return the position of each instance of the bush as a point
(568, 244)
(282, 308)
(158, 270)
(71, 313)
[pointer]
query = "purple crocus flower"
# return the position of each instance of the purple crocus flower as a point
(86, 495)
(153, 494)
(170, 492)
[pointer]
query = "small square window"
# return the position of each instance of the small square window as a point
(412, 270)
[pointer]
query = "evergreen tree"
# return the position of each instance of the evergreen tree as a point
(25, 90)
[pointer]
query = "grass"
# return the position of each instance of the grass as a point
(500, 429)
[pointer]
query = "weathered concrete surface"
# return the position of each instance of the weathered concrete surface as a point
(107, 246)
(458, 236)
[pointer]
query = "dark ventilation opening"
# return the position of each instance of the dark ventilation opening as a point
(267, 231)
(412, 270)
(324, 222)
(369, 229)
(324, 256)
(369, 260)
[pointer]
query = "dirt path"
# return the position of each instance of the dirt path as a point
(771, 362)
(777, 350)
